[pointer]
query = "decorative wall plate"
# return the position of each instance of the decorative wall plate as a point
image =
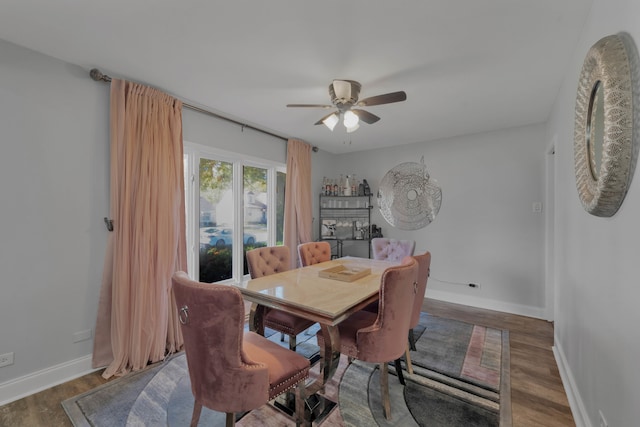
(408, 198)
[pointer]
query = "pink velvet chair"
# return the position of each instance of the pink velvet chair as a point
(232, 370)
(382, 337)
(386, 249)
(424, 265)
(270, 260)
(314, 253)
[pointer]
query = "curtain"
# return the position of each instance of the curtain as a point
(137, 318)
(298, 214)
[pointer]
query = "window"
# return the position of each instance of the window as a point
(234, 204)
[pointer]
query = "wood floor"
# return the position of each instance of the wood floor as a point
(537, 394)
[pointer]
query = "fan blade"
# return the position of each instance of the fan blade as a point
(387, 98)
(319, 122)
(310, 105)
(366, 116)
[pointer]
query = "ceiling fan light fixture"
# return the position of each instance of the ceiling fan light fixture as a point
(342, 89)
(331, 121)
(351, 119)
(344, 95)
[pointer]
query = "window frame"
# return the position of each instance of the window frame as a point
(192, 153)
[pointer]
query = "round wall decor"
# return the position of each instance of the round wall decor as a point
(408, 198)
(606, 131)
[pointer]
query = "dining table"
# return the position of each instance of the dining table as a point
(328, 301)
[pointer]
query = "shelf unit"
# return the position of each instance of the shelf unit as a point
(345, 219)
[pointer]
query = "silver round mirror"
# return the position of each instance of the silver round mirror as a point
(606, 134)
(595, 130)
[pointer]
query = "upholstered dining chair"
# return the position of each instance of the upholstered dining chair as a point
(314, 253)
(232, 370)
(382, 337)
(424, 265)
(270, 260)
(387, 249)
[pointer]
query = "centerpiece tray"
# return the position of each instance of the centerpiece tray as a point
(344, 273)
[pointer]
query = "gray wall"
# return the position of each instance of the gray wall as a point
(53, 182)
(486, 232)
(206, 130)
(597, 268)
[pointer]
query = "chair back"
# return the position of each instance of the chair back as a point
(391, 249)
(386, 338)
(268, 260)
(314, 253)
(424, 264)
(212, 324)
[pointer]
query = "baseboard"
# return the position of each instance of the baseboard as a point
(41, 380)
(578, 410)
(489, 304)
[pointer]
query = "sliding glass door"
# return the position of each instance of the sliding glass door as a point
(234, 204)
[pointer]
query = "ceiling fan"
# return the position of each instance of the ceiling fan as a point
(344, 95)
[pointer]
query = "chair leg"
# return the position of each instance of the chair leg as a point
(384, 390)
(398, 366)
(407, 357)
(231, 420)
(195, 418)
(412, 340)
(292, 342)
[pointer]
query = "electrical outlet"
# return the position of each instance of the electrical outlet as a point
(6, 359)
(536, 207)
(603, 421)
(82, 335)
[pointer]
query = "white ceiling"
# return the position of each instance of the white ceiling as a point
(466, 66)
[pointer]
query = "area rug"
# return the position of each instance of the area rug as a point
(461, 378)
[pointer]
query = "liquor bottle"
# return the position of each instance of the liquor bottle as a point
(367, 189)
(336, 190)
(347, 187)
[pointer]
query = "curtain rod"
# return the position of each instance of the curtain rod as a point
(98, 76)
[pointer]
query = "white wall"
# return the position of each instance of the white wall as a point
(597, 262)
(207, 130)
(53, 182)
(486, 232)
